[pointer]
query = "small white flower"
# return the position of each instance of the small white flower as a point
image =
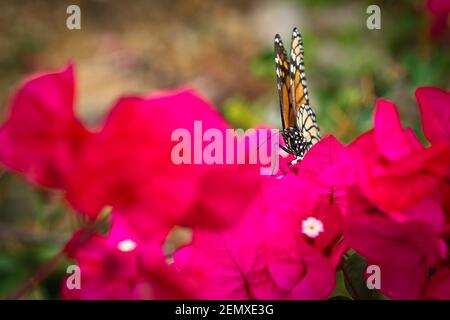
(312, 227)
(126, 245)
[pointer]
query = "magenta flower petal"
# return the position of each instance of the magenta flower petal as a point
(296, 261)
(386, 242)
(391, 140)
(319, 279)
(439, 285)
(120, 265)
(231, 263)
(435, 111)
(129, 165)
(318, 170)
(404, 282)
(106, 272)
(428, 209)
(390, 158)
(440, 11)
(304, 224)
(283, 243)
(41, 137)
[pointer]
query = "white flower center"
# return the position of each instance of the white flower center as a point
(126, 245)
(312, 227)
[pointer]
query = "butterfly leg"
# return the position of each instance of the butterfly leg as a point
(294, 162)
(285, 149)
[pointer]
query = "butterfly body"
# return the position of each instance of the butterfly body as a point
(300, 130)
(294, 141)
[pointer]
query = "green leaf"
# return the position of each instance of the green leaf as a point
(340, 298)
(340, 292)
(355, 280)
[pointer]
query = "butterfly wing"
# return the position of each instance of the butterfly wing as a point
(288, 118)
(305, 117)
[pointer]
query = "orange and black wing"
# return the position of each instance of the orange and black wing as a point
(305, 117)
(288, 118)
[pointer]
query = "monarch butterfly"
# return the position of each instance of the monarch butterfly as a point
(300, 130)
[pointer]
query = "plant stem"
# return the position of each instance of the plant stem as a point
(48, 267)
(42, 273)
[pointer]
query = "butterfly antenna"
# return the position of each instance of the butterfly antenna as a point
(262, 143)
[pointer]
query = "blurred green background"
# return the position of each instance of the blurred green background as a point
(222, 48)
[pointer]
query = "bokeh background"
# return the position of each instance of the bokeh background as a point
(222, 48)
